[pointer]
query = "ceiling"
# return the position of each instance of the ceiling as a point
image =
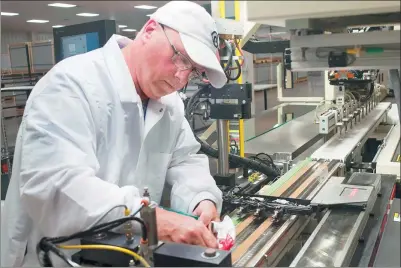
(123, 12)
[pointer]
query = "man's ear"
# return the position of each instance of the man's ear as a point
(148, 30)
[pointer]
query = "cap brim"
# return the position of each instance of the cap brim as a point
(201, 54)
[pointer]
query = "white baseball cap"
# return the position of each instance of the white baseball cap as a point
(198, 33)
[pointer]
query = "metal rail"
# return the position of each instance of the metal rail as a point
(334, 240)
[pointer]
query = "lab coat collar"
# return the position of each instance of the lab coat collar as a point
(118, 69)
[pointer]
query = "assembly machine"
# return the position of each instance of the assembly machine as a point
(352, 138)
(321, 196)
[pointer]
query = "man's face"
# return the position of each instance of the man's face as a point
(166, 66)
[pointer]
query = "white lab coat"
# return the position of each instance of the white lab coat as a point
(83, 147)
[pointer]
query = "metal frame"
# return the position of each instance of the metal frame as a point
(277, 12)
(329, 90)
(229, 27)
(6, 153)
(303, 50)
(256, 47)
(385, 60)
(384, 160)
(346, 39)
(342, 22)
(290, 99)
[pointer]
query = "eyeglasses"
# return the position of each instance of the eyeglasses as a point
(182, 62)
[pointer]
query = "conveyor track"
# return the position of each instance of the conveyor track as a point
(252, 236)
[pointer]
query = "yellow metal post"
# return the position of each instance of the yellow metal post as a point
(237, 52)
(222, 10)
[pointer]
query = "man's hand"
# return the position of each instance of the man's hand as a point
(207, 212)
(178, 228)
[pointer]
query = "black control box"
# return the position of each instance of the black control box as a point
(231, 102)
(337, 59)
(182, 255)
(99, 257)
(226, 180)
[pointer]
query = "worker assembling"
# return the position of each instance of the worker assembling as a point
(119, 114)
(101, 126)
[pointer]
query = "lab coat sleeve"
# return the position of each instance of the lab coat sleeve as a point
(189, 174)
(59, 188)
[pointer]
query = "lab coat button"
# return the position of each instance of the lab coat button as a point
(161, 110)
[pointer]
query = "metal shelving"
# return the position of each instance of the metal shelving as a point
(13, 100)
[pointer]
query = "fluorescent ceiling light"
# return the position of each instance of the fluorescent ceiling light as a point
(129, 30)
(122, 26)
(57, 26)
(9, 14)
(61, 5)
(37, 21)
(87, 14)
(145, 7)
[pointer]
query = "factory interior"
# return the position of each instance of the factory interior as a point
(303, 140)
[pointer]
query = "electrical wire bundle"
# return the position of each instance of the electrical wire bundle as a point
(266, 158)
(231, 46)
(267, 206)
(47, 244)
(192, 106)
(256, 165)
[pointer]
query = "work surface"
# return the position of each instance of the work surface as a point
(291, 138)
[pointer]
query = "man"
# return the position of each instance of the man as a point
(101, 126)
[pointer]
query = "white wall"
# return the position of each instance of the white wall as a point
(9, 38)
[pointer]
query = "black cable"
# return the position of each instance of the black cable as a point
(238, 74)
(45, 247)
(238, 161)
(203, 117)
(370, 93)
(192, 100)
(230, 56)
(267, 161)
(268, 156)
(103, 228)
(47, 244)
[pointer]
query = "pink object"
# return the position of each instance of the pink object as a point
(227, 243)
(225, 233)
